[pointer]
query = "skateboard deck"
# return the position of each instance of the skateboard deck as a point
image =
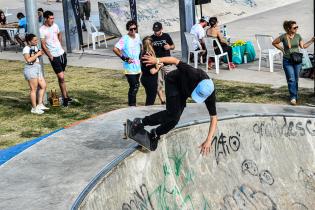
(141, 137)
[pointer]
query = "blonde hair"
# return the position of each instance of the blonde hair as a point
(147, 46)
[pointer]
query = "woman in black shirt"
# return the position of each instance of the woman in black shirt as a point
(149, 78)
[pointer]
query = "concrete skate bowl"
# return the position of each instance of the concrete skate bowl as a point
(256, 162)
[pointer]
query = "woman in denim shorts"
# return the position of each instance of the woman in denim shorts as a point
(33, 73)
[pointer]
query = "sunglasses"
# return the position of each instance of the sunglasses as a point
(132, 29)
(296, 27)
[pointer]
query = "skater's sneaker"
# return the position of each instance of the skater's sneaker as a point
(154, 140)
(42, 107)
(36, 111)
(137, 125)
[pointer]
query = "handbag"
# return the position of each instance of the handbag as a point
(296, 58)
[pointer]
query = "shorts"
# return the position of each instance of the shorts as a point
(59, 63)
(161, 75)
(33, 71)
(85, 10)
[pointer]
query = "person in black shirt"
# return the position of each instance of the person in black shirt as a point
(180, 84)
(162, 44)
(149, 77)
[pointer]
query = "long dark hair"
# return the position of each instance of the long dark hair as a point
(3, 20)
(213, 21)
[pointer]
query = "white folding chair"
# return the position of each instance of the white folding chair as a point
(6, 12)
(266, 49)
(191, 39)
(209, 42)
(94, 33)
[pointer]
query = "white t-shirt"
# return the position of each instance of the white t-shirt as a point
(31, 51)
(199, 33)
(50, 34)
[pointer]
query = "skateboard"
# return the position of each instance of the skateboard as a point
(141, 137)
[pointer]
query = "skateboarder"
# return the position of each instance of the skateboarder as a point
(180, 84)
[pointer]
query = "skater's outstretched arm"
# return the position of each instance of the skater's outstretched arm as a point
(206, 145)
(152, 60)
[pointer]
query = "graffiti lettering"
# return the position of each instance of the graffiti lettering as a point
(308, 178)
(223, 145)
(245, 197)
(287, 129)
(265, 176)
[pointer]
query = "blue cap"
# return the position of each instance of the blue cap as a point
(203, 90)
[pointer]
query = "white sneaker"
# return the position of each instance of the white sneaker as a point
(42, 107)
(37, 111)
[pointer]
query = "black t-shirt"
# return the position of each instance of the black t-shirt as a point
(146, 70)
(184, 80)
(159, 42)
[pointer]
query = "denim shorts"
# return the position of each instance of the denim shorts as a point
(33, 71)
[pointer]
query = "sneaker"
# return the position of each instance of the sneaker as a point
(36, 111)
(154, 140)
(293, 102)
(65, 102)
(42, 107)
(136, 126)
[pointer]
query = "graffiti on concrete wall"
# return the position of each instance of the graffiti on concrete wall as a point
(224, 145)
(246, 197)
(250, 167)
(250, 3)
(282, 128)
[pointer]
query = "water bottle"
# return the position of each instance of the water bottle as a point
(245, 58)
(224, 31)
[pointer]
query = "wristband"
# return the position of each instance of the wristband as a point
(124, 58)
(157, 61)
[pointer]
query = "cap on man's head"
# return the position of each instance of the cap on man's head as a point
(203, 90)
(205, 18)
(157, 26)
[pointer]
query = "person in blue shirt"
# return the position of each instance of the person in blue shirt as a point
(20, 36)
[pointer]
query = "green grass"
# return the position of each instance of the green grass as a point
(98, 91)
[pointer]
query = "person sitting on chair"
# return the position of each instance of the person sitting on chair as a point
(214, 31)
(20, 36)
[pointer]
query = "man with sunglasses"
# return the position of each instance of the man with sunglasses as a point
(186, 81)
(128, 48)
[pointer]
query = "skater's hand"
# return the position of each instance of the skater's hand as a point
(205, 147)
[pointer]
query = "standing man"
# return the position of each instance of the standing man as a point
(180, 84)
(162, 44)
(128, 49)
(85, 10)
(40, 14)
(51, 40)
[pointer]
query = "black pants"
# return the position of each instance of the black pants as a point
(5, 36)
(133, 80)
(225, 48)
(168, 118)
(150, 85)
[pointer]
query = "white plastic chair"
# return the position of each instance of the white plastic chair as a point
(94, 33)
(191, 39)
(209, 42)
(6, 12)
(266, 49)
